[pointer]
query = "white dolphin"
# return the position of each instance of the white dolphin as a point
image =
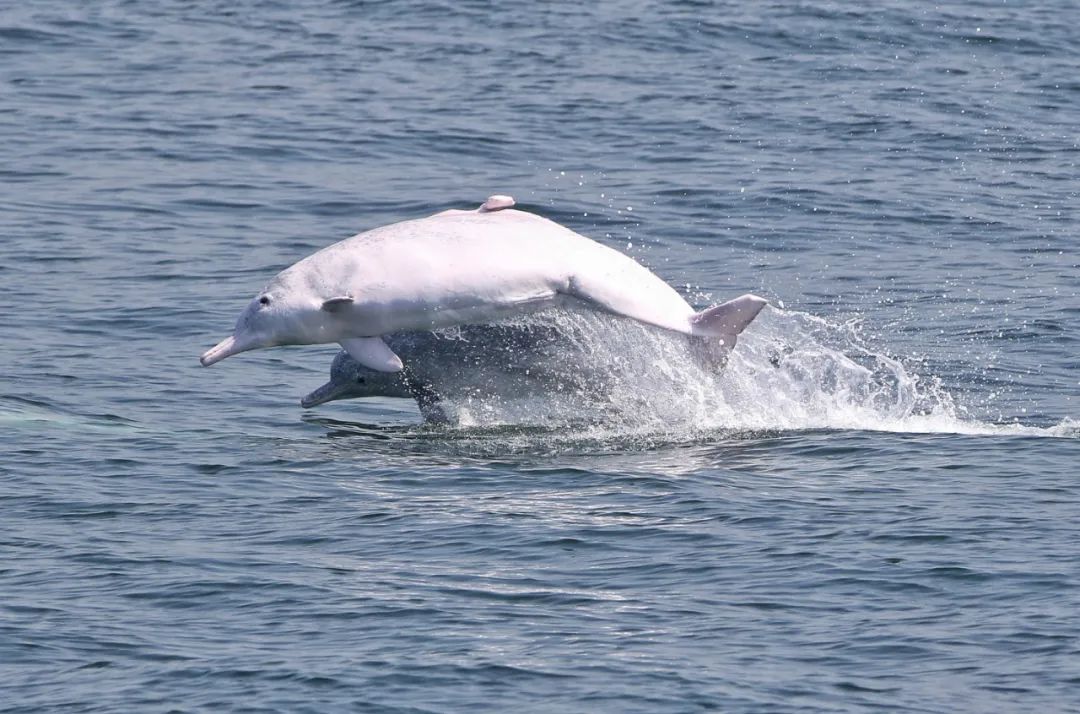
(459, 267)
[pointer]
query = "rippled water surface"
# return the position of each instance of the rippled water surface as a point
(875, 506)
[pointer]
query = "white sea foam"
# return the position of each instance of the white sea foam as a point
(790, 371)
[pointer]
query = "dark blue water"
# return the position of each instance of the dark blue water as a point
(875, 507)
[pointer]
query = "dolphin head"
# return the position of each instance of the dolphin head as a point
(281, 314)
(351, 380)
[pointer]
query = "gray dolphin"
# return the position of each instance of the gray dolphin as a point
(547, 353)
(480, 361)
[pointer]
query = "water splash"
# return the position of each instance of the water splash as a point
(790, 371)
(798, 371)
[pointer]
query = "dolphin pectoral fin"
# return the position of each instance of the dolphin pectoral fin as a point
(336, 303)
(427, 399)
(433, 413)
(373, 353)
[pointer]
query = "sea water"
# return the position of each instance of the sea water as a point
(873, 506)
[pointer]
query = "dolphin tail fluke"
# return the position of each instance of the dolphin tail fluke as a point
(725, 322)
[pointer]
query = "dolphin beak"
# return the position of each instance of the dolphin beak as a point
(226, 348)
(326, 393)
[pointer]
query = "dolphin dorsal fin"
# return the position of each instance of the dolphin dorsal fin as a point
(497, 203)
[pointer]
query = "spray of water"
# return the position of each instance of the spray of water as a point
(790, 371)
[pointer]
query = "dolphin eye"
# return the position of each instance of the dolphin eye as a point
(264, 300)
(360, 380)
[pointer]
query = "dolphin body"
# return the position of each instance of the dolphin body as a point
(453, 268)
